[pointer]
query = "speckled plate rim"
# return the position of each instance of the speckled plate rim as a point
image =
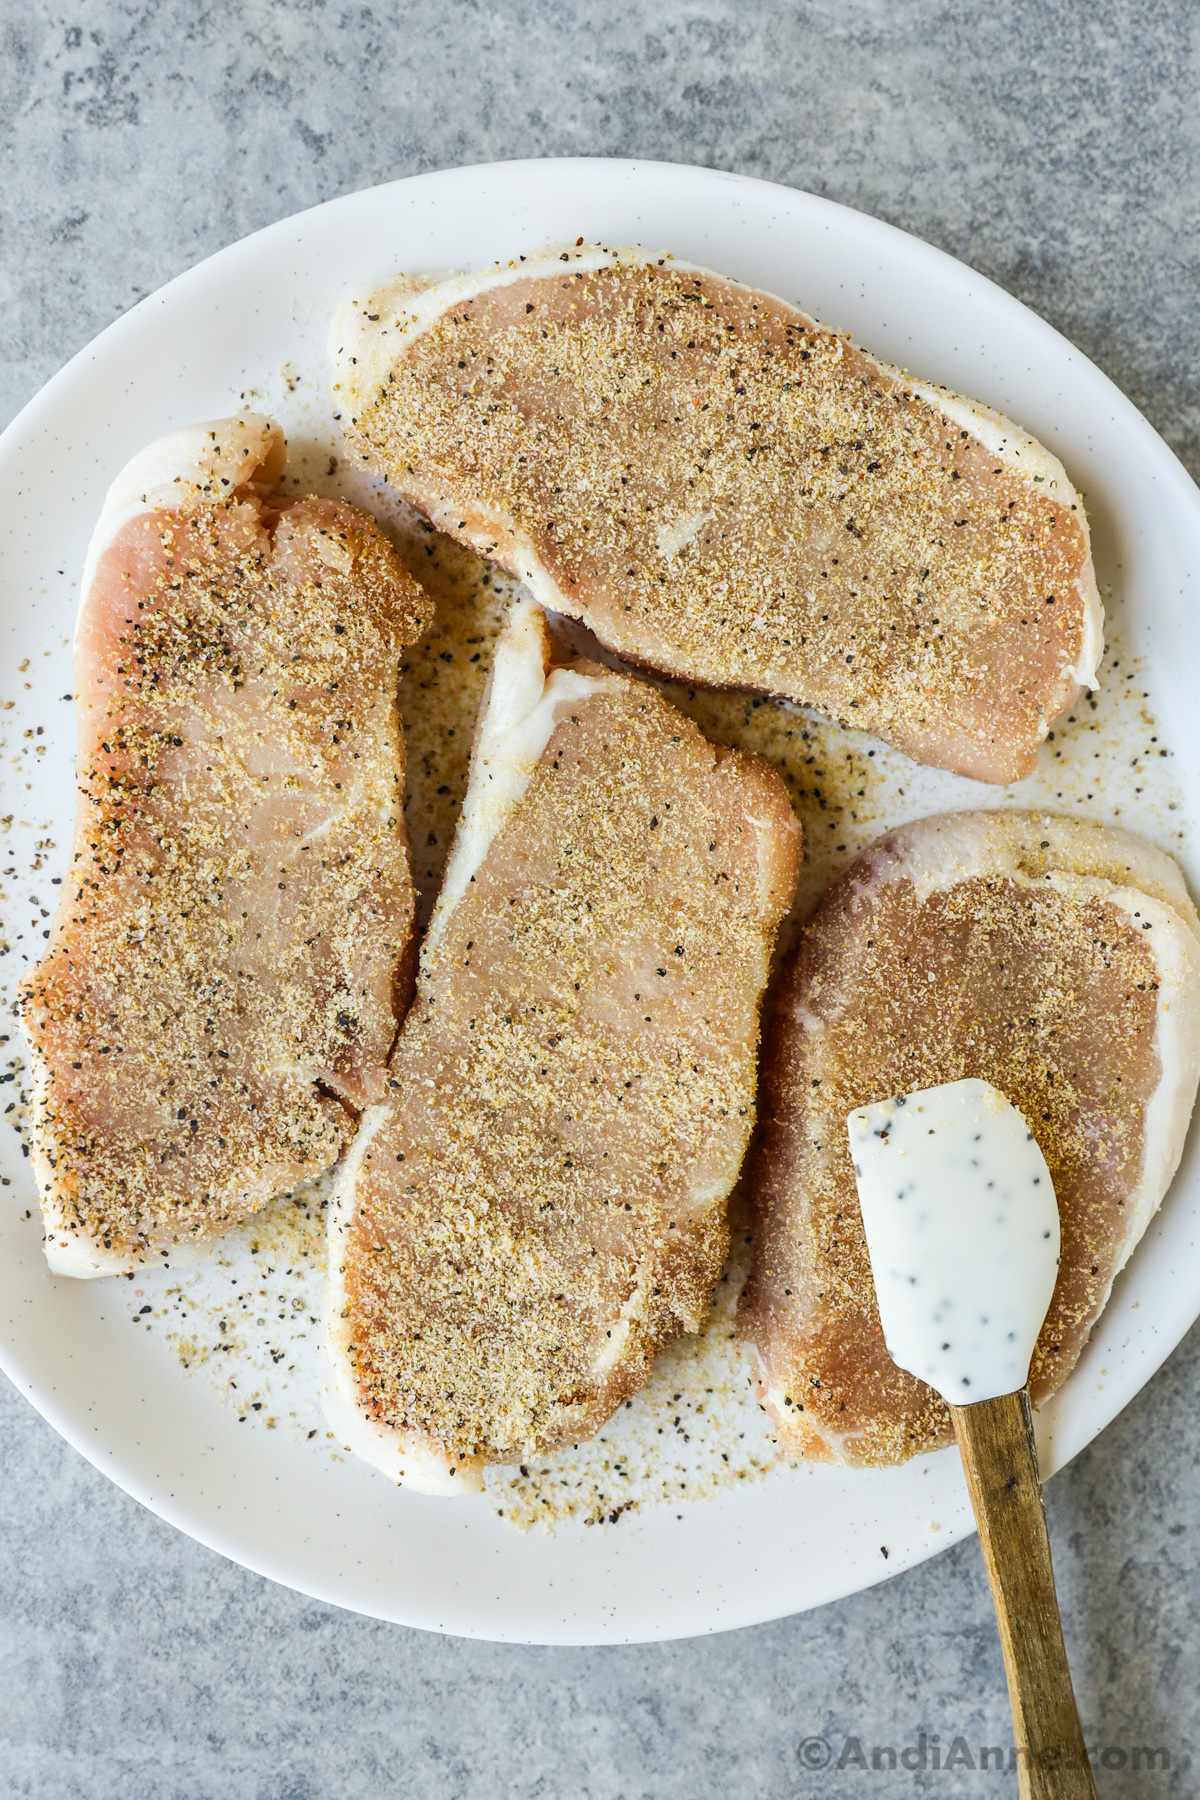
(339, 1532)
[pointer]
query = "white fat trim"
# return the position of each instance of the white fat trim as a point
(367, 335)
(404, 1458)
(72, 1253)
(613, 1345)
(1177, 1040)
(808, 1021)
(1091, 642)
(771, 1396)
(773, 1400)
(520, 711)
(1022, 453)
(937, 853)
(208, 459)
(766, 860)
(715, 1189)
(69, 1251)
(612, 1349)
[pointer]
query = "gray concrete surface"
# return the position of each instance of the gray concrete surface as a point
(1057, 148)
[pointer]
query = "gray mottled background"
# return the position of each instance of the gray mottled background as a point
(1057, 148)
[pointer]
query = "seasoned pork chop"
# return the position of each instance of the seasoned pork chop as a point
(217, 990)
(733, 494)
(1056, 959)
(540, 1203)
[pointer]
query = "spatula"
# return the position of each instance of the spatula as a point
(962, 1227)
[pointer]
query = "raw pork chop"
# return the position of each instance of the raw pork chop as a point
(733, 494)
(1056, 959)
(217, 991)
(540, 1205)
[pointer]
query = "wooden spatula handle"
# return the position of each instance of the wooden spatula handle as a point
(1000, 1461)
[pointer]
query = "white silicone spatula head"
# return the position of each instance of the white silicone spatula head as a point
(962, 1226)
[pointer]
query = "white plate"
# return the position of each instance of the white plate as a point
(254, 317)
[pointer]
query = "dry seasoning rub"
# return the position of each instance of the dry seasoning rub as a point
(728, 492)
(1058, 960)
(217, 990)
(540, 1204)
